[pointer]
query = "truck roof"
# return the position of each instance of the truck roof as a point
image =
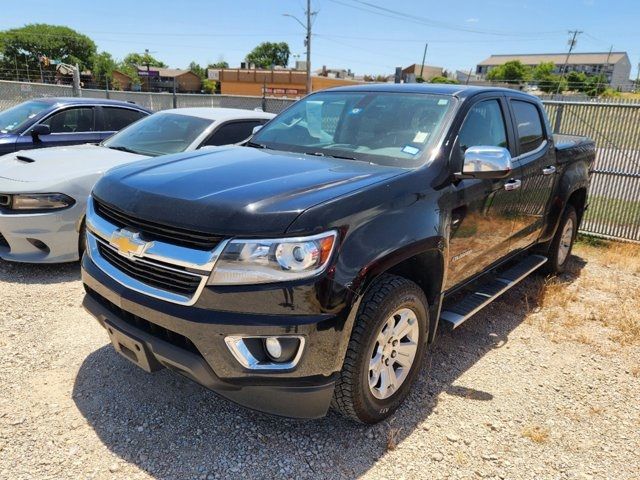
(434, 88)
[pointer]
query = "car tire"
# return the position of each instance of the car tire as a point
(82, 239)
(562, 243)
(385, 350)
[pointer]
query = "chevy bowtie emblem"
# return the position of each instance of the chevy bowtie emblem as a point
(129, 243)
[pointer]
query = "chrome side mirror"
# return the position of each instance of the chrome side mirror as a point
(486, 162)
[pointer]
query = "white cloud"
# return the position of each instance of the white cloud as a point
(472, 20)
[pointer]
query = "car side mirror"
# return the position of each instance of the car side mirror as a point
(485, 162)
(40, 129)
(256, 129)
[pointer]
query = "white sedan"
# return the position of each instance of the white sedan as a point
(43, 193)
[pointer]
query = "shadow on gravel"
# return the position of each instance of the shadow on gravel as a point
(29, 273)
(173, 428)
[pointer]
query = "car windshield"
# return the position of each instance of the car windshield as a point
(377, 127)
(159, 134)
(12, 119)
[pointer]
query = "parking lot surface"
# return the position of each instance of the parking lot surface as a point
(542, 384)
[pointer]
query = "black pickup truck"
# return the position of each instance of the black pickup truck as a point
(310, 269)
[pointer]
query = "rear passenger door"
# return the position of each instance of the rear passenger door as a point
(482, 213)
(114, 119)
(535, 167)
(231, 133)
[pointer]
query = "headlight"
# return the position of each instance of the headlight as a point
(39, 201)
(245, 262)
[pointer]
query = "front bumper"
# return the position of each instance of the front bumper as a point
(57, 230)
(190, 340)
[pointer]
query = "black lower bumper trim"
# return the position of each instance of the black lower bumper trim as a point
(304, 401)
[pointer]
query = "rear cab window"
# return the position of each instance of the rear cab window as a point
(529, 123)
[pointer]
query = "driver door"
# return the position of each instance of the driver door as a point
(482, 216)
(71, 126)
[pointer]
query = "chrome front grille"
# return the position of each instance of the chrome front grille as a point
(157, 231)
(161, 270)
(152, 273)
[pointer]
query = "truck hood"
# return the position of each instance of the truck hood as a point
(56, 163)
(233, 190)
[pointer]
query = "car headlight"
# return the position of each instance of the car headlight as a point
(39, 201)
(245, 262)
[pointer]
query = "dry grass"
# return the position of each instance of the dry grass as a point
(536, 433)
(601, 290)
(392, 438)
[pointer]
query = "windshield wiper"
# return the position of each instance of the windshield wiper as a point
(123, 149)
(255, 145)
(331, 155)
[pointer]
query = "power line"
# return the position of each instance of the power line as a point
(369, 7)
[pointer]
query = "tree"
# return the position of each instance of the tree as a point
(143, 59)
(547, 80)
(198, 70)
(220, 64)
(102, 67)
(511, 72)
(577, 81)
(441, 79)
(25, 46)
(596, 85)
(269, 54)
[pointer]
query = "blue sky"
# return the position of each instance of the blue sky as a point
(347, 33)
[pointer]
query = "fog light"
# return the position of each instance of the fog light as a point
(273, 347)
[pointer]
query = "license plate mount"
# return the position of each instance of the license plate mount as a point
(132, 349)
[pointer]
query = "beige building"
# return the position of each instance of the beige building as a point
(410, 73)
(615, 65)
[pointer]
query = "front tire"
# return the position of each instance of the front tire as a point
(385, 351)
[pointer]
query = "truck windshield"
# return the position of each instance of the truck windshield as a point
(378, 127)
(12, 119)
(159, 134)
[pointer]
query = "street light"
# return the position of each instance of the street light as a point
(307, 41)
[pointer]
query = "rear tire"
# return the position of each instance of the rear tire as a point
(562, 243)
(385, 351)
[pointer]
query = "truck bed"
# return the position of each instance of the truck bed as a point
(574, 147)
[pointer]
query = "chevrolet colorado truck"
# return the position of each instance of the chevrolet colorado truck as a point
(311, 268)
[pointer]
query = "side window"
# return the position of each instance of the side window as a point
(484, 126)
(71, 120)
(530, 131)
(117, 118)
(234, 132)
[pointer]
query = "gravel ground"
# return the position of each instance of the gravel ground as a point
(510, 394)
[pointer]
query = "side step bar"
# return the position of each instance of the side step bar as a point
(486, 293)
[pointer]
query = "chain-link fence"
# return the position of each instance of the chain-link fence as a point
(13, 93)
(614, 124)
(614, 194)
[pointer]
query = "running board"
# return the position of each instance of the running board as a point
(488, 292)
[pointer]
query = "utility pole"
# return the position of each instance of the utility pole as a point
(469, 76)
(307, 40)
(308, 45)
(572, 43)
(424, 56)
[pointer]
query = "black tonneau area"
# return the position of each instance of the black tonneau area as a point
(573, 148)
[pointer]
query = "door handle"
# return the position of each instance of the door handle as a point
(550, 170)
(512, 185)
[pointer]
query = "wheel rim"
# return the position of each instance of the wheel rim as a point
(393, 353)
(565, 242)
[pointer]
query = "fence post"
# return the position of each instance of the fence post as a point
(175, 98)
(558, 121)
